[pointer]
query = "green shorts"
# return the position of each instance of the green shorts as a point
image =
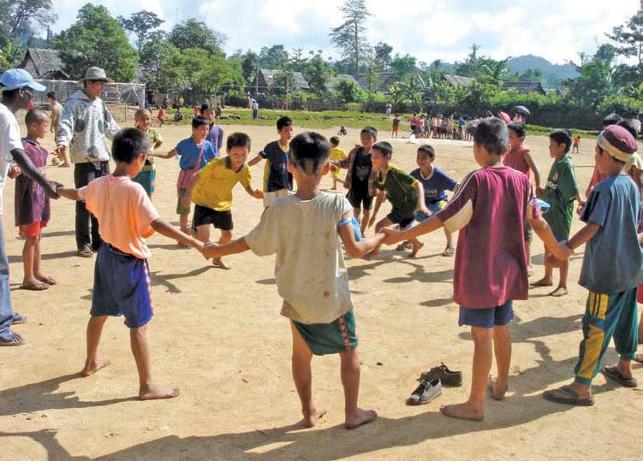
(330, 338)
(183, 203)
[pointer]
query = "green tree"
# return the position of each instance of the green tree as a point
(629, 37)
(19, 18)
(317, 73)
(196, 34)
(348, 91)
(350, 37)
(97, 39)
(403, 66)
(141, 24)
(382, 54)
(274, 57)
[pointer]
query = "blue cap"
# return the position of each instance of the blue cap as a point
(14, 79)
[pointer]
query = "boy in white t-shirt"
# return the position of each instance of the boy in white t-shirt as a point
(303, 230)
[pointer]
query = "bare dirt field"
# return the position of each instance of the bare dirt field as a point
(219, 337)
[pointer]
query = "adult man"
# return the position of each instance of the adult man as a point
(17, 87)
(84, 126)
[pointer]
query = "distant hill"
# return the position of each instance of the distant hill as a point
(553, 74)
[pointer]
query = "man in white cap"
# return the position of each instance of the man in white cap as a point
(17, 86)
(83, 129)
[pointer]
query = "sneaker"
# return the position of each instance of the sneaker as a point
(425, 392)
(448, 378)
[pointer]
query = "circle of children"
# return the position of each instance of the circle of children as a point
(494, 208)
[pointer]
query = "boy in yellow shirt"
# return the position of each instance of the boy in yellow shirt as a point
(336, 154)
(212, 191)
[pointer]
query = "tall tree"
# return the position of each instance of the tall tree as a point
(19, 18)
(629, 37)
(317, 72)
(382, 53)
(274, 57)
(141, 24)
(402, 66)
(196, 34)
(350, 36)
(97, 39)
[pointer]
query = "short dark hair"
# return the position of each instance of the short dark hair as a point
(428, 150)
(334, 140)
(631, 126)
(283, 122)
(129, 143)
(10, 95)
(238, 139)
(370, 130)
(200, 120)
(309, 151)
(384, 147)
(35, 116)
(561, 137)
(51, 95)
(205, 106)
(611, 119)
(141, 111)
(492, 134)
(518, 128)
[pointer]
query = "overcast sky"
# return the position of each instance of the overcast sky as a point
(426, 29)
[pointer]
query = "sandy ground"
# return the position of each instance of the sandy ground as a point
(219, 337)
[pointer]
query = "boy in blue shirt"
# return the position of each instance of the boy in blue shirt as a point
(611, 270)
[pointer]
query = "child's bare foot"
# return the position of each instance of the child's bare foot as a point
(311, 419)
(359, 418)
(46, 279)
(463, 411)
(497, 392)
(33, 284)
(93, 367)
(558, 292)
(448, 251)
(638, 358)
(416, 247)
(218, 262)
(153, 392)
(543, 282)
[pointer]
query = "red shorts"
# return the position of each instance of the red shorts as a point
(639, 297)
(34, 229)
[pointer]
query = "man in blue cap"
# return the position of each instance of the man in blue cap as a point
(17, 87)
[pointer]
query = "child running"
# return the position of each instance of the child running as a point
(560, 192)
(147, 176)
(32, 204)
(396, 126)
(194, 152)
(304, 230)
(490, 271)
(277, 180)
(360, 179)
(121, 275)
(336, 155)
(212, 192)
(611, 270)
(405, 193)
(435, 183)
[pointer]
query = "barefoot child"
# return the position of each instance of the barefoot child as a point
(560, 192)
(277, 181)
(194, 152)
(611, 270)
(32, 204)
(635, 171)
(336, 155)
(435, 184)
(490, 271)
(405, 193)
(360, 178)
(212, 192)
(147, 176)
(121, 276)
(304, 230)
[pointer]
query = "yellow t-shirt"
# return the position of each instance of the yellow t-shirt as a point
(336, 154)
(215, 181)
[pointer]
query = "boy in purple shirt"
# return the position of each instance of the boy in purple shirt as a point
(490, 210)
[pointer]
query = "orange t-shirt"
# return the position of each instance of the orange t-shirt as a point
(124, 212)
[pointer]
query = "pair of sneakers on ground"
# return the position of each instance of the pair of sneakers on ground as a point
(431, 383)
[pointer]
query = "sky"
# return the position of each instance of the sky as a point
(427, 29)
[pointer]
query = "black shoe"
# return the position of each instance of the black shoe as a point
(448, 378)
(425, 392)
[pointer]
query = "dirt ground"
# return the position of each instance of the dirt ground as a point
(219, 337)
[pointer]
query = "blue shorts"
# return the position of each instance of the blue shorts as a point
(121, 287)
(488, 317)
(434, 208)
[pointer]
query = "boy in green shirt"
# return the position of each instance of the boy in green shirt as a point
(560, 192)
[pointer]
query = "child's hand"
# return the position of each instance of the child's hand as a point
(211, 250)
(198, 245)
(14, 171)
(392, 236)
(559, 254)
(540, 192)
(426, 211)
(257, 194)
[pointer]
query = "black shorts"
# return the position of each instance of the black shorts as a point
(359, 199)
(219, 219)
(397, 218)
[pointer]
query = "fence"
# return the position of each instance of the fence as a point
(130, 94)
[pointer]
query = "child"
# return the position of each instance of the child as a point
(212, 192)
(396, 126)
(560, 192)
(32, 204)
(405, 193)
(303, 230)
(142, 119)
(635, 171)
(121, 275)
(194, 152)
(611, 270)
(277, 181)
(160, 116)
(360, 178)
(435, 183)
(576, 144)
(490, 271)
(342, 131)
(519, 158)
(336, 155)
